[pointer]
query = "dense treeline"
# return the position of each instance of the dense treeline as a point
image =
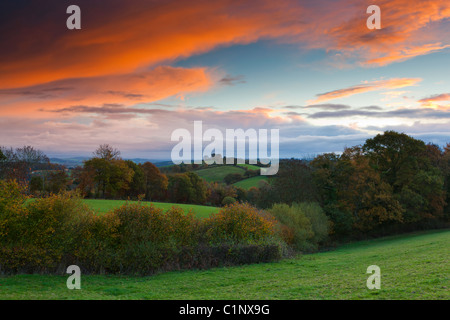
(392, 183)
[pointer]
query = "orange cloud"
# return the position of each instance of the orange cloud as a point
(407, 30)
(127, 36)
(366, 87)
(438, 97)
(126, 89)
(123, 37)
(430, 102)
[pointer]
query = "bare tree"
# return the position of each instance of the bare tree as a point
(107, 152)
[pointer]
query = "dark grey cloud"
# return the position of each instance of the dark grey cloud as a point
(371, 108)
(232, 80)
(107, 109)
(402, 113)
(325, 106)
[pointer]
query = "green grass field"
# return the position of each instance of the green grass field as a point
(414, 266)
(217, 174)
(250, 182)
(249, 166)
(103, 206)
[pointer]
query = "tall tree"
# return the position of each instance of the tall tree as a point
(406, 165)
(156, 183)
(293, 183)
(137, 184)
(107, 152)
(366, 195)
(57, 181)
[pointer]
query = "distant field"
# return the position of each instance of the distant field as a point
(412, 267)
(217, 174)
(250, 182)
(108, 205)
(249, 166)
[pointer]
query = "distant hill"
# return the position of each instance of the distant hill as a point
(78, 161)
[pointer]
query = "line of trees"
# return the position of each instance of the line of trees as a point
(391, 182)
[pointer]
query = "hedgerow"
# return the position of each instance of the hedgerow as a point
(46, 235)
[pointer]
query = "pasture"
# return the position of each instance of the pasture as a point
(103, 206)
(414, 266)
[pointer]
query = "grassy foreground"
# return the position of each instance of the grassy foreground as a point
(415, 266)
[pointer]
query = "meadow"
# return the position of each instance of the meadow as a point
(217, 174)
(103, 206)
(250, 182)
(413, 266)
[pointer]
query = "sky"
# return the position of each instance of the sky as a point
(139, 69)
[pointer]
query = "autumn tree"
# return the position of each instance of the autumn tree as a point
(369, 199)
(292, 183)
(155, 182)
(180, 188)
(406, 165)
(57, 181)
(137, 184)
(111, 176)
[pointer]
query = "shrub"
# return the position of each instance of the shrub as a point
(228, 201)
(240, 223)
(319, 221)
(12, 198)
(48, 233)
(295, 227)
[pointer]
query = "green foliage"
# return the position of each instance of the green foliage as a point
(295, 227)
(320, 223)
(36, 185)
(187, 188)
(137, 185)
(57, 181)
(406, 164)
(228, 200)
(156, 183)
(232, 178)
(12, 198)
(393, 179)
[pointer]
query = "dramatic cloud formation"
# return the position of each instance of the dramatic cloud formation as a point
(131, 70)
(152, 85)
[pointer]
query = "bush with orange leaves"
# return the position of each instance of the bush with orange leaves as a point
(46, 235)
(240, 223)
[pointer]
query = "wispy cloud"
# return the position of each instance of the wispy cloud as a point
(436, 97)
(366, 87)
